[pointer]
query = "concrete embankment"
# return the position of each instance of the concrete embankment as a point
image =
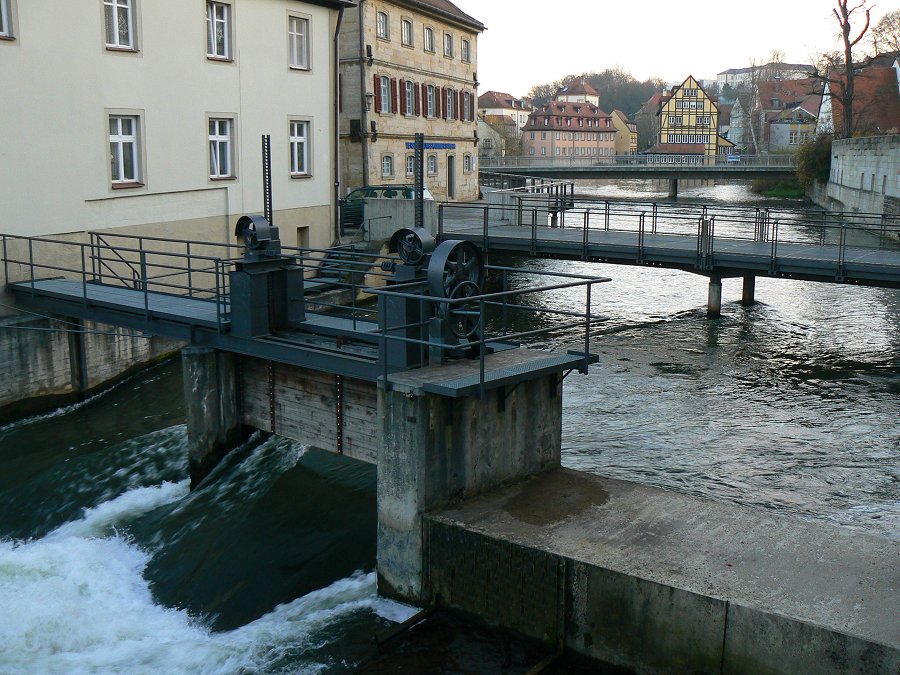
(46, 362)
(658, 581)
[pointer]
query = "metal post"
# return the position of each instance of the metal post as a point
(655, 210)
(31, 262)
(83, 277)
(587, 328)
(584, 243)
(190, 272)
(144, 284)
(267, 177)
(419, 178)
(606, 217)
(484, 246)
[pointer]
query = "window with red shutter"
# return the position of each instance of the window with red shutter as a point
(393, 95)
(424, 98)
(403, 110)
(377, 90)
(418, 101)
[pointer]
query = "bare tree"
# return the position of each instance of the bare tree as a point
(886, 33)
(844, 15)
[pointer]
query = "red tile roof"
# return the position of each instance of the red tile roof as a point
(805, 93)
(876, 101)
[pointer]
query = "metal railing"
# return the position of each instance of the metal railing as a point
(735, 162)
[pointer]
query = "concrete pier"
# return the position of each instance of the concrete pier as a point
(211, 407)
(437, 448)
(673, 188)
(714, 302)
(661, 582)
(748, 296)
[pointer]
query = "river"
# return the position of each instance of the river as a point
(109, 564)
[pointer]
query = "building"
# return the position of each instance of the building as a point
(408, 67)
(787, 112)
(578, 91)
(876, 102)
(563, 129)
(738, 78)
(491, 137)
(501, 104)
(151, 121)
(626, 133)
(688, 127)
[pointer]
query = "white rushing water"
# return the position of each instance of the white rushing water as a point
(76, 601)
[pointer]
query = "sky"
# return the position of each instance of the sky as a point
(530, 42)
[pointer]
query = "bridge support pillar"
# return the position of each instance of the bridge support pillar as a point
(714, 301)
(748, 297)
(211, 406)
(437, 449)
(673, 188)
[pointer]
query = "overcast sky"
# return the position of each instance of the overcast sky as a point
(529, 42)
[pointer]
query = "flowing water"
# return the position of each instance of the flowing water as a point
(109, 564)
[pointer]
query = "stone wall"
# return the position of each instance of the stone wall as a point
(865, 176)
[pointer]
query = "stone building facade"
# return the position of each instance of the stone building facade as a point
(407, 67)
(562, 129)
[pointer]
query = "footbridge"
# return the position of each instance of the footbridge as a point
(716, 241)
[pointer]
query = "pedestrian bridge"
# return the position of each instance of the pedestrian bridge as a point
(715, 241)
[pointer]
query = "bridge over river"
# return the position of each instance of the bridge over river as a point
(717, 242)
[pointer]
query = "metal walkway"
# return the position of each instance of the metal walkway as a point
(724, 244)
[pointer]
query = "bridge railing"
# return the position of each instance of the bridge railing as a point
(490, 164)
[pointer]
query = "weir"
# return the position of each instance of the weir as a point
(465, 425)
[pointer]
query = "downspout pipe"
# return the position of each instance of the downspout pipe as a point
(363, 77)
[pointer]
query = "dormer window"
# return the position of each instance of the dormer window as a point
(776, 102)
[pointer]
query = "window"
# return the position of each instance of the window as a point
(298, 42)
(383, 26)
(384, 85)
(532, 135)
(466, 51)
(675, 120)
(220, 148)
(406, 32)
(451, 101)
(387, 166)
(410, 165)
(467, 107)
(429, 39)
(6, 30)
(432, 165)
(467, 163)
(409, 97)
(448, 45)
(218, 30)
(124, 149)
(299, 148)
(690, 93)
(429, 101)
(530, 151)
(119, 22)
(543, 135)
(703, 120)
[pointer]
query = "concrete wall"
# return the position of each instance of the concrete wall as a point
(383, 217)
(865, 176)
(43, 366)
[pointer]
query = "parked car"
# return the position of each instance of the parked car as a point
(352, 206)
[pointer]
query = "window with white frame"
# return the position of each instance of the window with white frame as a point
(6, 29)
(691, 93)
(466, 51)
(429, 39)
(410, 165)
(406, 32)
(543, 152)
(703, 120)
(448, 45)
(218, 30)
(221, 148)
(387, 166)
(429, 100)
(467, 163)
(675, 120)
(119, 15)
(384, 85)
(383, 26)
(432, 165)
(299, 147)
(532, 135)
(124, 149)
(451, 104)
(530, 151)
(298, 42)
(543, 135)
(409, 96)
(467, 107)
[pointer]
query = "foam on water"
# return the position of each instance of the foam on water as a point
(77, 602)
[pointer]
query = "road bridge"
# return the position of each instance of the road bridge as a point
(675, 168)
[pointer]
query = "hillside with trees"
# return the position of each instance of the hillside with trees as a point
(619, 90)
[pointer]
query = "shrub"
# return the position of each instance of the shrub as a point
(814, 160)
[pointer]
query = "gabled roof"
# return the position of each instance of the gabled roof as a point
(446, 9)
(665, 99)
(790, 94)
(570, 109)
(876, 101)
(500, 99)
(579, 86)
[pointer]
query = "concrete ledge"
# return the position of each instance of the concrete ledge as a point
(661, 582)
